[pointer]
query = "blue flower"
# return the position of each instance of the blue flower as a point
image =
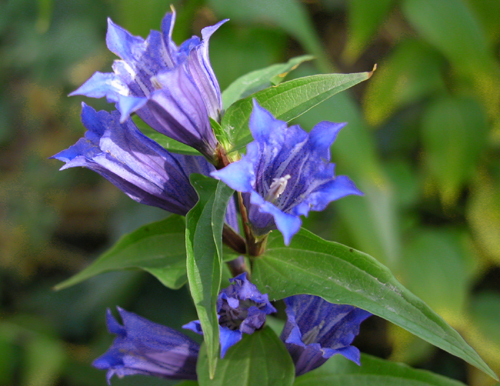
(316, 330)
(146, 348)
(285, 173)
(241, 309)
(173, 89)
(138, 166)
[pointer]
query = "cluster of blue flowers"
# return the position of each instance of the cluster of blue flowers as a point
(315, 331)
(284, 174)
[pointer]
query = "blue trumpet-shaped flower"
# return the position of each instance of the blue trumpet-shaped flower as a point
(146, 348)
(241, 308)
(285, 173)
(173, 89)
(138, 166)
(316, 330)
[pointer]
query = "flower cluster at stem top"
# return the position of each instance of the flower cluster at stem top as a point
(285, 173)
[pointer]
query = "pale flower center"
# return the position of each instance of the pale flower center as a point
(277, 188)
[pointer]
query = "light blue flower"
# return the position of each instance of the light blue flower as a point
(146, 348)
(173, 89)
(316, 330)
(241, 308)
(285, 173)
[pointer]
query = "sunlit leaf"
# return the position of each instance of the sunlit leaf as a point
(286, 101)
(342, 275)
(259, 79)
(204, 256)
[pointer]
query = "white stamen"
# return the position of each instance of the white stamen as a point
(156, 83)
(277, 187)
(311, 335)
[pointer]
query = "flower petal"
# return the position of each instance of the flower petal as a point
(146, 348)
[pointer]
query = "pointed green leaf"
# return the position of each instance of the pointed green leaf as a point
(204, 256)
(157, 248)
(373, 371)
(260, 359)
(340, 274)
(257, 80)
(286, 101)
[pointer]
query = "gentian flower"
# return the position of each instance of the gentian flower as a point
(137, 165)
(173, 89)
(316, 330)
(146, 348)
(285, 173)
(241, 308)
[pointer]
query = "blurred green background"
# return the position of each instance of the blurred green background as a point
(423, 143)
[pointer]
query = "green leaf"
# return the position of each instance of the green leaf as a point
(259, 359)
(45, 8)
(373, 371)
(286, 101)
(433, 267)
(140, 17)
(260, 79)
(187, 383)
(483, 329)
(247, 48)
(451, 27)
(204, 256)
(168, 143)
(290, 15)
(45, 359)
(365, 16)
(487, 12)
(171, 144)
(157, 248)
(342, 275)
(372, 221)
(461, 124)
(411, 72)
(483, 215)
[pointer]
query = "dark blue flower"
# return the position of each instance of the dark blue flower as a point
(146, 348)
(285, 173)
(241, 308)
(173, 89)
(316, 330)
(138, 166)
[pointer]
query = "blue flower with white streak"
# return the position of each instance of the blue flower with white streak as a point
(316, 330)
(137, 165)
(241, 308)
(173, 89)
(285, 173)
(146, 348)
